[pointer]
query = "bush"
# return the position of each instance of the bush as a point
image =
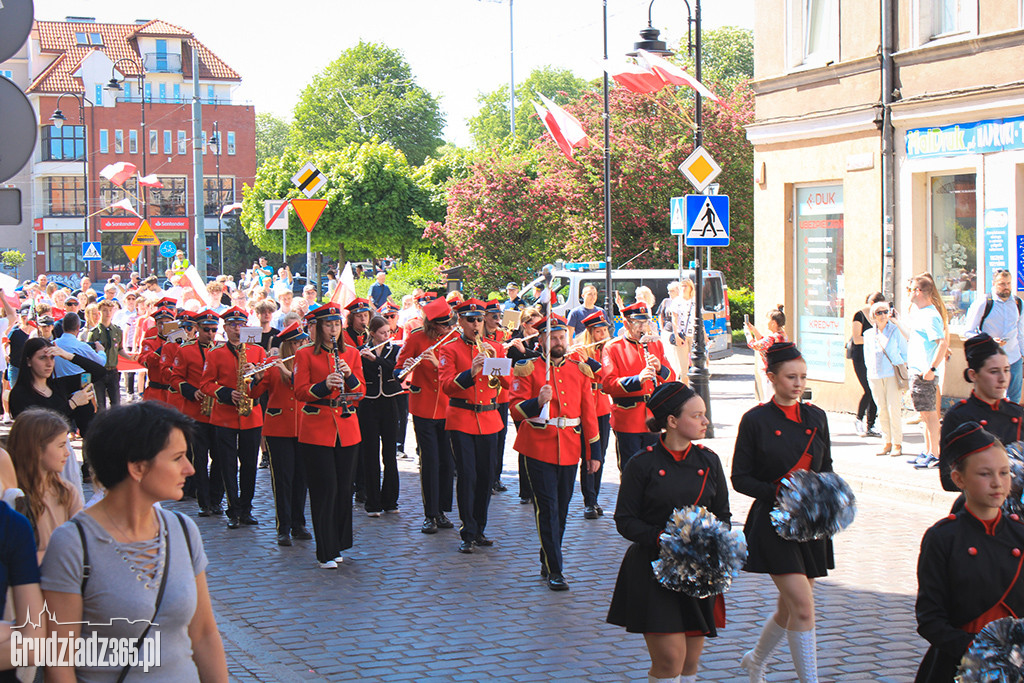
(741, 302)
(421, 269)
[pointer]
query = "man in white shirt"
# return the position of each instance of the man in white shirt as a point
(999, 314)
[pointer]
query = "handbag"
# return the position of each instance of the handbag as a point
(849, 348)
(899, 371)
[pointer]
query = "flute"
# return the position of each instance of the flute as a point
(374, 348)
(269, 363)
(521, 339)
(405, 372)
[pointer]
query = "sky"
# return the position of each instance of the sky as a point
(456, 48)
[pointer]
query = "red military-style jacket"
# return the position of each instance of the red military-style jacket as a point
(324, 418)
(602, 402)
(187, 375)
(425, 396)
(572, 399)
(167, 355)
(282, 415)
(149, 356)
(471, 402)
(623, 359)
(220, 378)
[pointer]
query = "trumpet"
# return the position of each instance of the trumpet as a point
(493, 381)
(419, 359)
(266, 365)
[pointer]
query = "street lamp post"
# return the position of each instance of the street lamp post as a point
(114, 88)
(59, 119)
(215, 143)
(698, 374)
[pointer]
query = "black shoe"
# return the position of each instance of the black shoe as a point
(216, 509)
(248, 520)
(264, 462)
(498, 487)
(589, 512)
(301, 533)
(233, 523)
(600, 510)
(443, 522)
(429, 526)
(360, 497)
(557, 583)
(543, 572)
(466, 547)
(204, 512)
(525, 501)
(284, 539)
(483, 541)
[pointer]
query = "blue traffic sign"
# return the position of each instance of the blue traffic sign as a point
(91, 251)
(167, 249)
(707, 220)
(677, 215)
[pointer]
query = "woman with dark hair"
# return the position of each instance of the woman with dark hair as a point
(38, 388)
(590, 346)
(774, 439)
(867, 408)
(378, 419)
(674, 473)
(761, 343)
(329, 380)
(147, 564)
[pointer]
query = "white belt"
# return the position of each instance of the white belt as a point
(558, 422)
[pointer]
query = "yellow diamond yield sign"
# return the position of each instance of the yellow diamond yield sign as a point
(700, 169)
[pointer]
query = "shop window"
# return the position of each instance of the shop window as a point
(820, 289)
(64, 195)
(66, 143)
(170, 200)
(217, 196)
(63, 251)
(954, 241)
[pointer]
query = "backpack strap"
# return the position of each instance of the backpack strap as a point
(988, 309)
(86, 567)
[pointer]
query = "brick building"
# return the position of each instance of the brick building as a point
(81, 57)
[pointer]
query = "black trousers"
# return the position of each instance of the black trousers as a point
(108, 389)
(474, 454)
(499, 452)
(206, 482)
(235, 451)
(437, 473)
(402, 401)
(329, 471)
(866, 408)
(525, 492)
(288, 478)
(627, 444)
(590, 484)
(378, 422)
(552, 490)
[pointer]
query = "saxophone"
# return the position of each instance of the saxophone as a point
(242, 384)
(493, 382)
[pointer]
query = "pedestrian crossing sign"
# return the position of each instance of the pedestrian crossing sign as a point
(91, 251)
(677, 214)
(707, 220)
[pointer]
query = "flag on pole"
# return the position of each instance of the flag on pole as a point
(672, 74)
(634, 77)
(345, 292)
(119, 172)
(193, 285)
(231, 207)
(150, 181)
(125, 204)
(563, 127)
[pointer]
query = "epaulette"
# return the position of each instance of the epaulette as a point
(523, 368)
(585, 369)
(188, 342)
(217, 345)
(309, 342)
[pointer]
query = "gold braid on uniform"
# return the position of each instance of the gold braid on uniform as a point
(523, 368)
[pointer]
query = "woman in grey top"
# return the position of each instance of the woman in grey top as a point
(146, 564)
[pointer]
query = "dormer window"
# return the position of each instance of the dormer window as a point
(88, 39)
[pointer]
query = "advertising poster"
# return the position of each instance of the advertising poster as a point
(820, 291)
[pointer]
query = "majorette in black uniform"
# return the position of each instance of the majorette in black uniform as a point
(969, 572)
(655, 482)
(378, 425)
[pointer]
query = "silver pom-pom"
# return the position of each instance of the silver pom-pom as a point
(700, 554)
(996, 655)
(1014, 503)
(812, 506)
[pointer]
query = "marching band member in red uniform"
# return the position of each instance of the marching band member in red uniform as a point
(357, 319)
(472, 421)
(167, 354)
(550, 439)
(590, 344)
(390, 313)
(186, 376)
(494, 332)
(328, 378)
(281, 431)
(428, 405)
(237, 417)
(150, 355)
(635, 365)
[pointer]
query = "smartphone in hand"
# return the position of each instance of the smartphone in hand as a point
(86, 379)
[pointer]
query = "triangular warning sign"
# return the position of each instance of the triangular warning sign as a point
(309, 211)
(132, 251)
(145, 237)
(91, 252)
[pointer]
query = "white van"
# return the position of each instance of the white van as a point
(568, 282)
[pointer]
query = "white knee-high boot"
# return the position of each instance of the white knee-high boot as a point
(653, 679)
(754, 661)
(688, 679)
(803, 647)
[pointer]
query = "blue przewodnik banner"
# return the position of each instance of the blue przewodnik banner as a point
(979, 137)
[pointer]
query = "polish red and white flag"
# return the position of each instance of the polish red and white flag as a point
(119, 172)
(125, 204)
(345, 292)
(672, 74)
(228, 208)
(634, 77)
(150, 180)
(562, 126)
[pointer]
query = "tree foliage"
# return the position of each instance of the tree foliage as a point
(727, 56)
(490, 127)
(368, 92)
(271, 137)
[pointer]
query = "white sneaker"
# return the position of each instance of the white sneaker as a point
(339, 559)
(393, 511)
(373, 514)
(858, 426)
(329, 564)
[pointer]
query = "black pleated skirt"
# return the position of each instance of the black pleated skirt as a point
(769, 553)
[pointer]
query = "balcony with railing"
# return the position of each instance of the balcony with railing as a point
(161, 62)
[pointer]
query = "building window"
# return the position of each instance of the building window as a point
(167, 142)
(63, 251)
(149, 92)
(820, 31)
(177, 92)
(216, 199)
(154, 145)
(170, 200)
(204, 143)
(104, 141)
(118, 141)
(161, 54)
(111, 194)
(163, 92)
(10, 74)
(63, 144)
(133, 141)
(231, 142)
(210, 94)
(182, 143)
(64, 195)
(127, 91)
(99, 95)
(819, 294)
(938, 19)
(953, 217)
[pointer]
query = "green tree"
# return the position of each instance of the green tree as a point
(369, 92)
(727, 56)
(271, 137)
(373, 196)
(491, 128)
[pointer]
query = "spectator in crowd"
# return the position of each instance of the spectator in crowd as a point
(92, 319)
(380, 292)
(134, 283)
(1000, 315)
(84, 286)
(885, 347)
(515, 302)
(761, 343)
(309, 294)
(19, 577)
(180, 264)
(266, 311)
(70, 342)
(683, 314)
(284, 300)
(588, 307)
(926, 325)
(109, 337)
(332, 283)
(866, 409)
